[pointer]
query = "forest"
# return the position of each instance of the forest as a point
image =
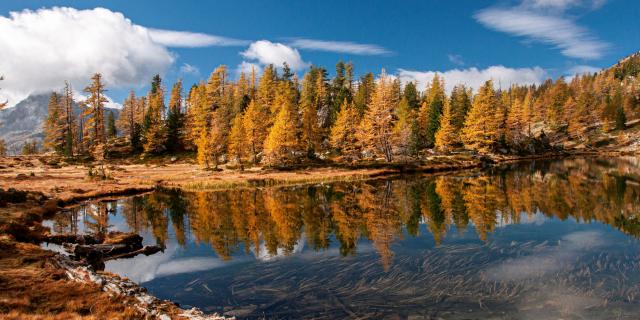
(276, 119)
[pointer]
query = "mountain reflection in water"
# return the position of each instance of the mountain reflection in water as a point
(533, 240)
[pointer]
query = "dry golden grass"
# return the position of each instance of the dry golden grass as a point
(30, 288)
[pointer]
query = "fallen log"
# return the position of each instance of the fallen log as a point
(72, 238)
(146, 250)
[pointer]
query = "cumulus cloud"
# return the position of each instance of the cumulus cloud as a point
(474, 77)
(266, 52)
(551, 28)
(340, 47)
(41, 49)
(184, 39)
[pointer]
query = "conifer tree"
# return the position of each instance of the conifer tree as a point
(175, 119)
(582, 115)
(527, 112)
(93, 113)
(69, 120)
(411, 94)
(557, 97)
(431, 111)
(363, 95)
(218, 135)
(155, 135)
(3, 148)
(312, 100)
(447, 137)
(54, 137)
(343, 136)
(621, 118)
(256, 128)
(128, 120)
(481, 130)
(198, 114)
(267, 90)
(238, 140)
(112, 131)
(282, 144)
(406, 131)
(452, 121)
(376, 131)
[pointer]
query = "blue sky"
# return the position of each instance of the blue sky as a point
(515, 41)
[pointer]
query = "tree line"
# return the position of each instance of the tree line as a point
(278, 119)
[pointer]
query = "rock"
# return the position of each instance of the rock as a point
(173, 159)
(22, 176)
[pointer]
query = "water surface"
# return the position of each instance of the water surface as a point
(536, 240)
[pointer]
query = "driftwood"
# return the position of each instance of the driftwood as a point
(146, 250)
(96, 249)
(72, 238)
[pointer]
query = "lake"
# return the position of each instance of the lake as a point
(533, 240)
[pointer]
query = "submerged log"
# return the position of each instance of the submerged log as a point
(115, 245)
(72, 238)
(146, 250)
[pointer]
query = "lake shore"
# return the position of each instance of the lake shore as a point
(49, 186)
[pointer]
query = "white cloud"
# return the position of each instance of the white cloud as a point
(573, 40)
(267, 52)
(247, 67)
(340, 46)
(474, 77)
(171, 38)
(189, 69)
(456, 59)
(562, 5)
(582, 69)
(555, 4)
(41, 49)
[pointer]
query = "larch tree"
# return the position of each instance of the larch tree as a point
(93, 113)
(198, 114)
(376, 131)
(128, 120)
(431, 111)
(447, 137)
(54, 138)
(282, 145)
(406, 131)
(256, 128)
(155, 135)
(481, 130)
(69, 120)
(238, 140)
(343, 136)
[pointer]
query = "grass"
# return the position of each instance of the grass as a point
(206, 185)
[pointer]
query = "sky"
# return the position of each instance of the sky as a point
(44, 43)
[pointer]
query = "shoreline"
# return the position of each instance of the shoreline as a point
(120, 186)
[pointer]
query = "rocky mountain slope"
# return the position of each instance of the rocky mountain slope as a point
(24, 121)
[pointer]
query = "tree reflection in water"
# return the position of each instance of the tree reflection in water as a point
(384, 233)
